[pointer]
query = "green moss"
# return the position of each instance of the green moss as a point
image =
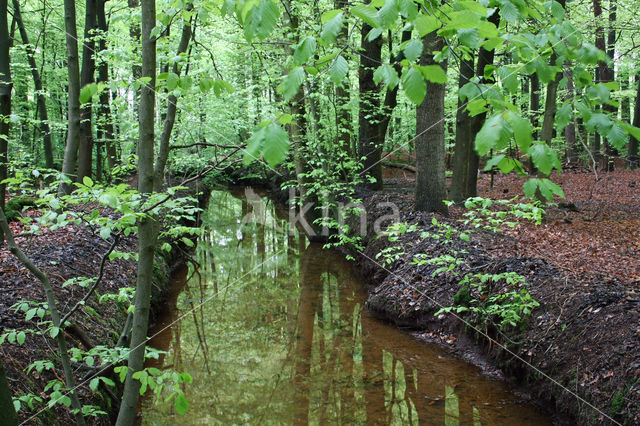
(14, 207)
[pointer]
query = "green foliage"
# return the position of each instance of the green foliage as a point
(499, 299)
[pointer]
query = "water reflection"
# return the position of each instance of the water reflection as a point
(274, 333)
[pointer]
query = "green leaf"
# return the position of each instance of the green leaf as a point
(617, 137)
(509, 78)
(522, 130)
(285, 119)
(338, 69)
(563, 117)
(426, 24)
(94, 383)
(304, 50)
(20, 337)
(543, 157)
(470, 37)
(86, 181)
(388, 13)
(633, 131)
(292, 83)
(490, 135)
(557, 11)
(105, 233)
(387, 75)
(331, 28)
(181, 404)
(367, 13)
(172, 81)
(262, 20)
(433, 73)
(53, 332)
(600, 122)
(271, 142)
(408, 9)
(413, 50)
(329, 15)
(87, 92)
(206, 83)
(414, 86)
(509, 11)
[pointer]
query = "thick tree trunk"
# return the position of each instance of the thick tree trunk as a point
(170, 117)
(73, 131)
(465, 160)
(633, 158)
(43, 125)
(9, 416)
(147, 232)
(431, 188)
(85, 147)
(368, 145)
(5, 99)
(106, 130)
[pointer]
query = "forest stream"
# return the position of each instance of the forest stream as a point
(273, 331)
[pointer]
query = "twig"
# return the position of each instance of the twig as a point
(103, 261)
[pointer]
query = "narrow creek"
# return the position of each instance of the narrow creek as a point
(272, 329)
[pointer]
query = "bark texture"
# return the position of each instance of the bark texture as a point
(431, 188)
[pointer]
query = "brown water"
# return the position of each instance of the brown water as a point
(273, 332)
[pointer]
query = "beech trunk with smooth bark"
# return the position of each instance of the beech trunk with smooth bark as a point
(147, 229)
(633, 158)
(70, 160)
(465, 160)
(5, 98)
(431, 190)
(43, 124)
(170, 115)
(369, 146)
(85, 146)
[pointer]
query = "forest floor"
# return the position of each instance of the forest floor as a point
(581, 264)
(68, 252)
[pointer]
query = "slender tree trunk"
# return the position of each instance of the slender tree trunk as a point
(170, 117)
(601, 70)
(465, 157)
(550, 107)
(43, 125)
(134, 33)
(85, 147)
(343, 114)
(570, 130)
(633, 158)
(73, 131)
(5, 99)
(147, 232)
(107, 133)
(9, 416)
(431, 188)
(368, 145)
(625, 102)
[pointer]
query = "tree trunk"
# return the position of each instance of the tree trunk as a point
(107, 133)
(601, 70)
(465, 160)
(170, 117)
(85, 147)
(344, 127)
(9, 416)
(634, 159)
(550, 107)
(368, 146)
(570, 130)
(5, 99)
(610, 151)
(147, 232)
(73, 130)
(43, 125)
(431, 188)
(467, 183)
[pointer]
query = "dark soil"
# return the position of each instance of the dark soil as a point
(586, 332)
(71, 251)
